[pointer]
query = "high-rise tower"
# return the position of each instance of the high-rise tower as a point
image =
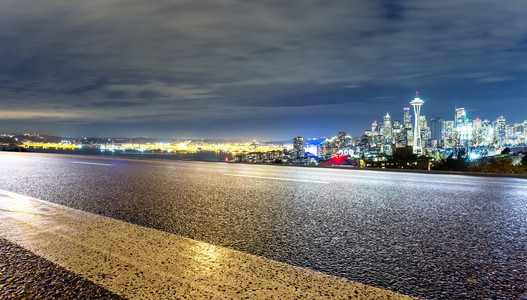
(500, 130)
(418, 143)
(299, 145)
(407, 118)
(387, 130)
(374, 127)
(437, 130)
(461, 115)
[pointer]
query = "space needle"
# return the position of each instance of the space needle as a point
(416, 103)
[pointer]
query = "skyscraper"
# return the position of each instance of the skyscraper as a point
(387, 127)
(374, 127)
(476, 127)
(448, 134)
(485, 134)
(436, 127)
(407, 118)
(500, 130)
(464, 131)
(460, 115)
(416, 103)
(425, 131)
(299, 145)
(397, 130)
(341, 140)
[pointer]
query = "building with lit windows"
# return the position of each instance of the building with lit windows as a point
(407, 118)
(299, 146)
(425, 130)
(483, 133)
(387, 129)
(476, 126)
(464, 131)
(374, 127)
(500, 131)
(448, 134)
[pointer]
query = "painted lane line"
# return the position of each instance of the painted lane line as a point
(143, 263)
(90, 163)
(479, 181)
(422, 179)
(278, 178)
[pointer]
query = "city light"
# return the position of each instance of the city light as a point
(312, 149)
(435, 140)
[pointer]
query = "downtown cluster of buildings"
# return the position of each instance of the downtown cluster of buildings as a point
(484, 137)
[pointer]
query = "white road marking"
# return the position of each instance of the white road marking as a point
(277, 178)
(429, 179)
(479, 181)
(143, 263)
(90, 163)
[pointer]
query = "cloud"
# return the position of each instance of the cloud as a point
(222, 60)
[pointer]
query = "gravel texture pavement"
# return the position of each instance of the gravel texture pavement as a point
(143, 263)
(24, 275)
(425, 235)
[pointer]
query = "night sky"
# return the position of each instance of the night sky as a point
(266, 70)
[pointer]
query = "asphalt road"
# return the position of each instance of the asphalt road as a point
(426, 235)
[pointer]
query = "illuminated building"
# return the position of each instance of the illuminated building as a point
(299, 146)
(448, 134)
(397, 127)
(331, 146)
(460, 115)
(407, 137)
(341, 140)
(347, 141)
(407, 118)
(425, 130)
(517, 129)
(343, 144)
(476, 126)
(397, 133)
(321, 149)
(374, 132)
(374, 127)
(483, 133)
(418, 143)
(365, 143)
(387, 149)
(387, 127)
(516, 134)
(500, 131)
(464, 131)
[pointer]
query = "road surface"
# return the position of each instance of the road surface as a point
(424, 235)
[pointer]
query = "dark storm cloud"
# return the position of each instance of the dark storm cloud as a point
(393, 10)
(245, 64)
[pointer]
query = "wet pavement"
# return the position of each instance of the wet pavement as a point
(432, 236)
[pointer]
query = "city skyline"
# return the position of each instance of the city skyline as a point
(253, 70)
(399, 117)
